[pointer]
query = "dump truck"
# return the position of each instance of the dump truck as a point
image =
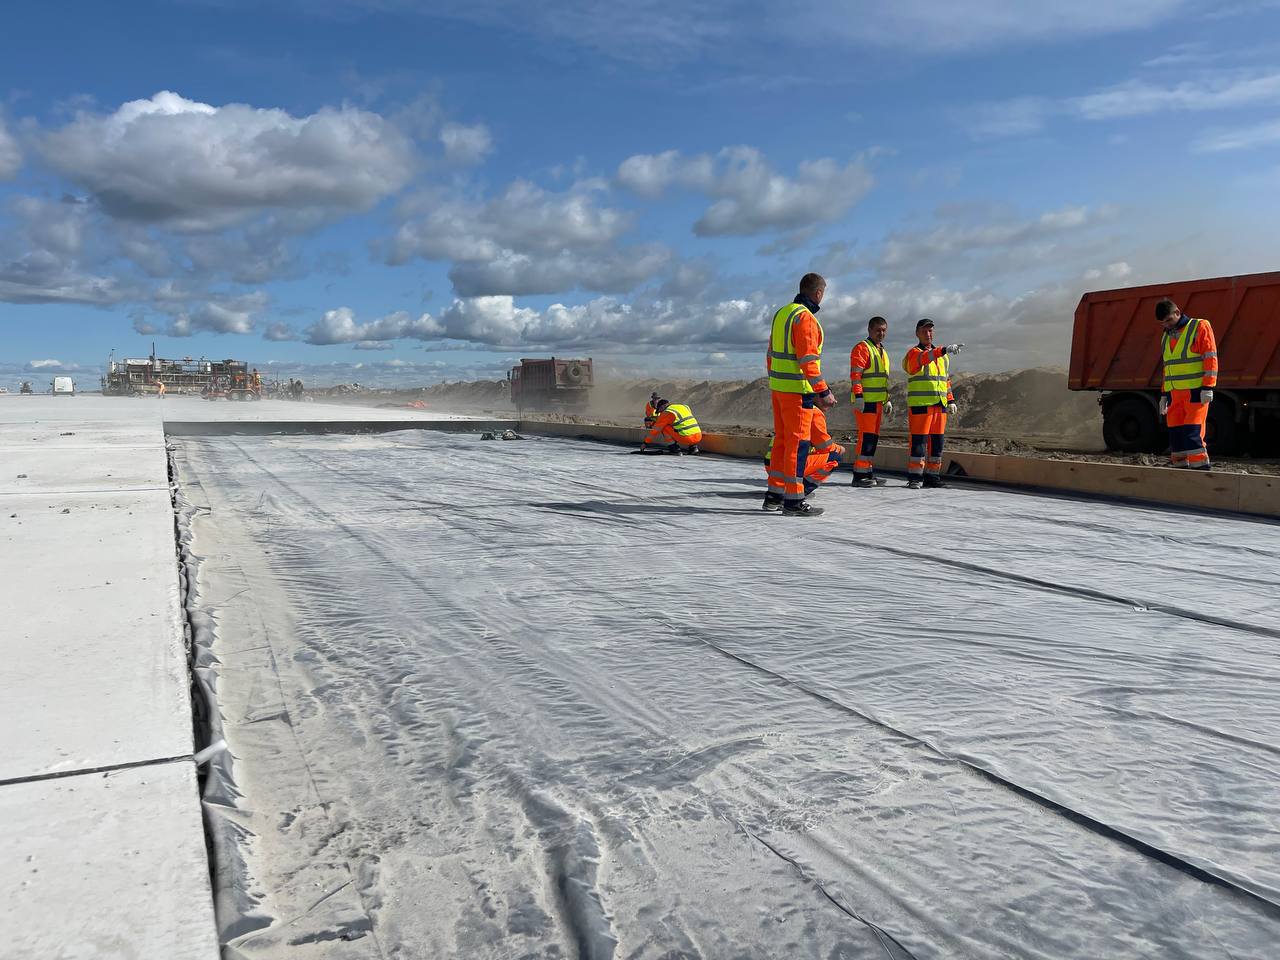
(550, 384)
(1115, 350)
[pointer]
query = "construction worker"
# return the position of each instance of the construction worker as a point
(675, 423)
(869, 374)
(651, 410)
(824, 457)
(794, 362)
(929, 401)
(160, 389)
(1190, 356)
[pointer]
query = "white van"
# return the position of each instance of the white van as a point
(64, 387)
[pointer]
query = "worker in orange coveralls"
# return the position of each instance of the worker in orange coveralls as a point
(651, 410)
(794, 362)
(676, 424)
(824, 454)
(869, 375)
(929, 400)
(1190, 356)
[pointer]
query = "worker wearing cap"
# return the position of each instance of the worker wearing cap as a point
(797, 389)
(651, 410)
(929, 401)
(869, 375)
(1190, 355)
(825, 455)
(675, 423)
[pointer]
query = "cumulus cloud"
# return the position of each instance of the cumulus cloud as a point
(44, 364)
(193, 166)
(526, 241)
(748, 195)
(340, 326)
(10, 155)
(466, 144)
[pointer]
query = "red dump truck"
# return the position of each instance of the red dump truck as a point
(1115, 349)
(548, 384)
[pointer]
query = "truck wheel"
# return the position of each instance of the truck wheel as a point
(573, 373)
(1221, 432)
(1130, 426)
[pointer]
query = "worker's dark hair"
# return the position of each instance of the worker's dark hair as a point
(1164, 308)
(874, 320)
(811, 283)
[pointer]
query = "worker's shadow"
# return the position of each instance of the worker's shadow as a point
(602, 508)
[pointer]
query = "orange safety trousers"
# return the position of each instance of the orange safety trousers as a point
(868, 439)
(792, 425)
(1186, 431)
(672, 437)
(927, 426)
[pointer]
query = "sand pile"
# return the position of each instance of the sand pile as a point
(1019, 404)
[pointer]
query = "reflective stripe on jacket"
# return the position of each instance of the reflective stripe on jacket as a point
(869, 370)
(1188, 365)
(786, 368)
(930, 384)
(684, 423)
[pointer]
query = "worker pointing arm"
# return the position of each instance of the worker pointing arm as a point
(929, 400)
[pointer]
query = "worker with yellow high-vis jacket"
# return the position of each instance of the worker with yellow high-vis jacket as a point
(869, 379)
(1190, 356)
(675, 424)
(929, 401)
(796, 386)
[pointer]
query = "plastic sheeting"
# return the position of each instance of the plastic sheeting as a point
(555, 700)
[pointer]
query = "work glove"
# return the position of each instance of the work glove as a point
(888, 408)
(953, 347)
(1164, 404)
(826, 400)
(952, 409)
(1206, 396)
(859, 405)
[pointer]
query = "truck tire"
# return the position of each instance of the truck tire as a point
(1222, 435)
(573, 373)
(1130, 426)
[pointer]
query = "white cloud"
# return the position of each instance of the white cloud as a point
(939, 25)
(528, 241)
(279, 332)
(373, 345)
(748, 195)
(1206, 90)
(466, 144)
(983, 242)
(1216, 91)
(340, 326)
(44, 364)
(10, 155)
(1240, 138)
(192, 166)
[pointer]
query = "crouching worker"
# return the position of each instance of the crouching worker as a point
(824, 455)
(674, 428)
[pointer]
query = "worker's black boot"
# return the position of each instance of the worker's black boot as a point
(693, 449)
(801, 508)
(913, 483)
(933, 483)
(878, 481)
(772, 502)
(863, 481)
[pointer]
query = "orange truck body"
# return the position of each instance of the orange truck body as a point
(1115, 349)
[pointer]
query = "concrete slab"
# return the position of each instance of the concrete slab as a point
(95, 667)
(103, 866)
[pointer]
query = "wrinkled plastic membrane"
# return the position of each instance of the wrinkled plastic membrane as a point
(556, 700)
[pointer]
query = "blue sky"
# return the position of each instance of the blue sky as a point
(399, 192)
